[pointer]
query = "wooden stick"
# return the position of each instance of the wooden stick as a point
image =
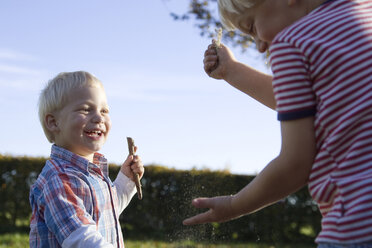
(136, 176)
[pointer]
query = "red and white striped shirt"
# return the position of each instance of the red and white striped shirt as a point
(322, 66)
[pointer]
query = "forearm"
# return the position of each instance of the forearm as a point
(275, 182)
(285, 174)
(86, 236)
(125, 189)
(252, 82)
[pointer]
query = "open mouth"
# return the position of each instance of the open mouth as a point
(95, 133)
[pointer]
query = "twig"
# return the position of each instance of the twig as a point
(136, 176)
(218, 37)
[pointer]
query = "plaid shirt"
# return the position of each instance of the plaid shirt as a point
(71, 192)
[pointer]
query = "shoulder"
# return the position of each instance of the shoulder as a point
(326, 21)
(56, 182)
(57, 175)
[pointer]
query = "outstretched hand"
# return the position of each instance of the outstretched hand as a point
(220, 210)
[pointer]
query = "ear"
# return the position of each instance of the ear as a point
(51, 123)
(291, 2)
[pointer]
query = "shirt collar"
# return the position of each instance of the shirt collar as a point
(99, 161)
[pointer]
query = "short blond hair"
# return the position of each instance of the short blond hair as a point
(55, 94)
(231, 9)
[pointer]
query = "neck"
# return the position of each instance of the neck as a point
(313, 4)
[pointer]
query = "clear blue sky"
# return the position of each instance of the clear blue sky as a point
(152, 70)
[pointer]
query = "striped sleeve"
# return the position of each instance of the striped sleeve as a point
(292, 86)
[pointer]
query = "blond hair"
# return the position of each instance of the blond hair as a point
(55, 94)
(231, 9)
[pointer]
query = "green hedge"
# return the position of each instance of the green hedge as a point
(167, 195)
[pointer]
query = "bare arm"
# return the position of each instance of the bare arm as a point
(282, 176)
(221, 64)
(285, 174)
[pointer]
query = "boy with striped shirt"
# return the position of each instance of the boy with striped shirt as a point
(74, 203)
(321, 59)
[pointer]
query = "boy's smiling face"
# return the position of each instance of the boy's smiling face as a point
(83, 124)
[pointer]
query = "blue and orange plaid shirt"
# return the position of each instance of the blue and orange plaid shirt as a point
(71, 192)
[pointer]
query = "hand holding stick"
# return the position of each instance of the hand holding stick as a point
(136, 176)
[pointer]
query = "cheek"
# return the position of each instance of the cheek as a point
(80, 121)
(265, 34)
(266, 29)
(108, 124)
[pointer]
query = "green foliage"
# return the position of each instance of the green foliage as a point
(15, 240)
(19, 240)
(204, 14)
(167, 195)
(17, 175)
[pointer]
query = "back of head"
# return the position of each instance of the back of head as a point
(55, 94)
(230, 9)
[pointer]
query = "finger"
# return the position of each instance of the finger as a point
(215, 46)
(210, 63)
(135, 159)
(210, 51)
(210, 67)
(136, 168)
(128, 161)
(210, 58)
(139, 173)
(208, 70)
(137, 165)
(139, 170)
(202, 202)
(198, 219)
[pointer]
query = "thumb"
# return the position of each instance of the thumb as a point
(202, 202)
(203, 217)
(128, 161)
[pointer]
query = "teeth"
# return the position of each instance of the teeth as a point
(94, 132)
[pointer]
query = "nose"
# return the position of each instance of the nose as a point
(262, 46)
(98, 118)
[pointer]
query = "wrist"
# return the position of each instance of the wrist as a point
(232, 68)
(234, 205)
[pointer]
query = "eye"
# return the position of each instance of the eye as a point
(251, 30)
(84, 110)
(105, 111)
(247, 26)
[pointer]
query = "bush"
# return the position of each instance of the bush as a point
(167, 195)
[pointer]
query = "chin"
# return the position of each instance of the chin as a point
(96, 148)
(88, 151)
